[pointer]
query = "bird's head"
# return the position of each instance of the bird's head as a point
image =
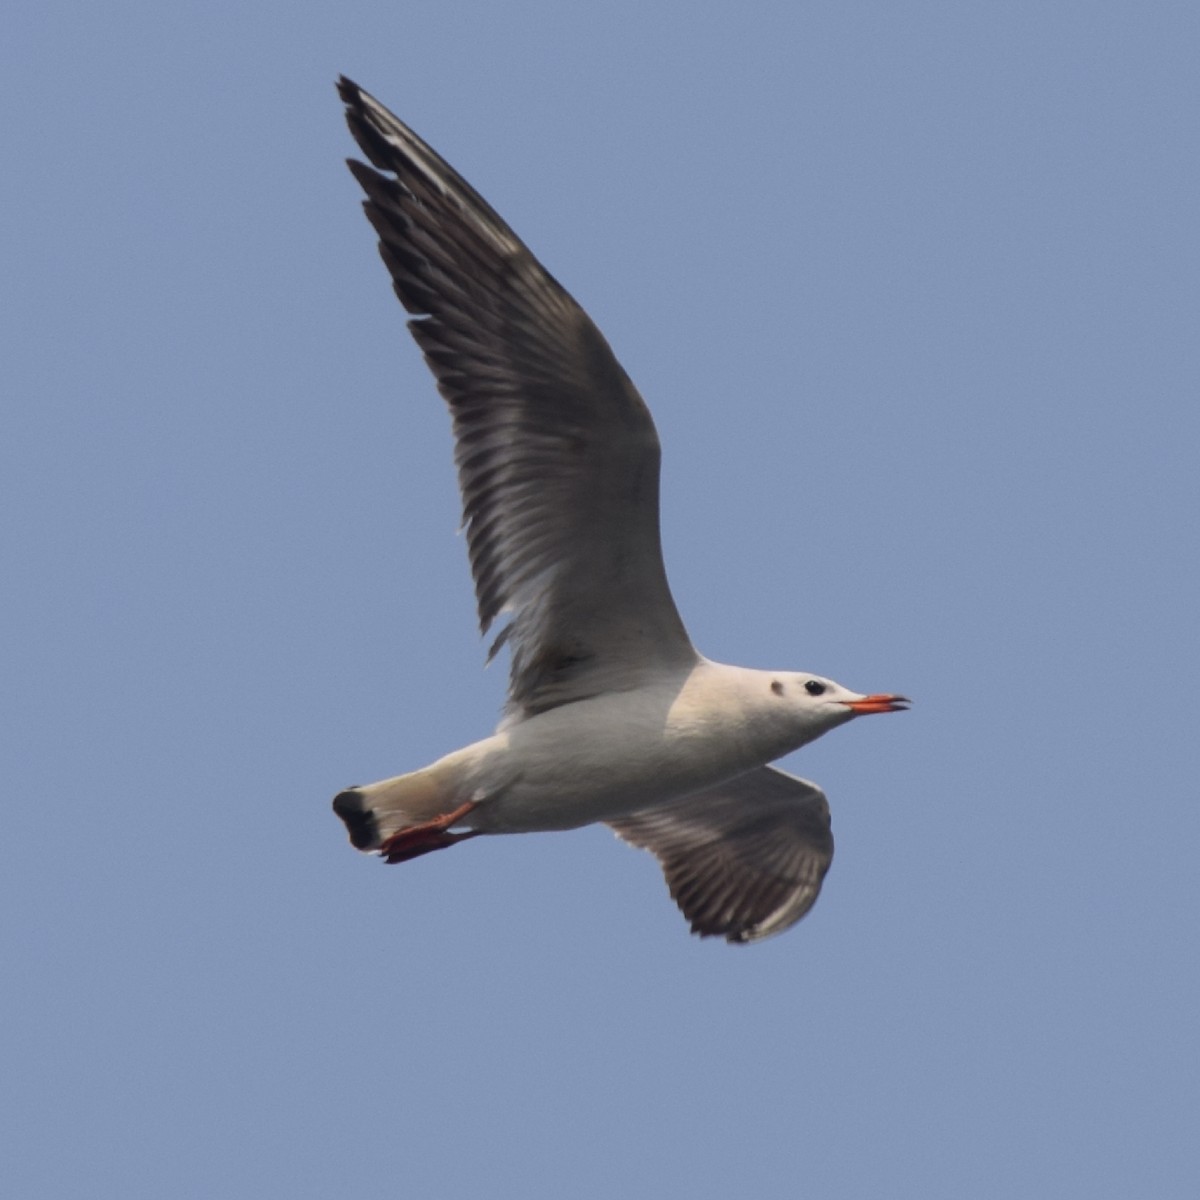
(826, 704)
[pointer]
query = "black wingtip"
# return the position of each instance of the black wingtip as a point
(363, 121)
(359, 820)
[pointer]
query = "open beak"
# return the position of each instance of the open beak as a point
(879, 703)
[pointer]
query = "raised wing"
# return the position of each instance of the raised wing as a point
(744, 860)
(558, 459)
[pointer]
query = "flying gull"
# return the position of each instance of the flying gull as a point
(612, 715)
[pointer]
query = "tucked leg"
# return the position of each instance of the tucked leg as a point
(432, 835)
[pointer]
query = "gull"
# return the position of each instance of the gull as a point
(612, 715)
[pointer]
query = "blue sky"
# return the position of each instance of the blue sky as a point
(912, 291)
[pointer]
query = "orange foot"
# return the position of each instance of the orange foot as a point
(427, 837)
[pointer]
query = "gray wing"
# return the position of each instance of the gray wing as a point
(745, 859)
(558, 458)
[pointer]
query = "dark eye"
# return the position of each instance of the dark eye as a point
(814, 687)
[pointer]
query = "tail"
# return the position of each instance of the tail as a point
(374, 812)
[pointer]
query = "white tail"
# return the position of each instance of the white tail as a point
(375, 811)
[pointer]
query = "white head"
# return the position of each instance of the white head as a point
(820, 704)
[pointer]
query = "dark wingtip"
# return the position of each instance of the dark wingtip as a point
(359, 820)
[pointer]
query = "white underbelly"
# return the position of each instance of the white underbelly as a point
(603, 758)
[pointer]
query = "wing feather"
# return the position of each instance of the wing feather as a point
(557, 455)
(743, 860)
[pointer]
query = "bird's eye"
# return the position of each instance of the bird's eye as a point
(814, 687)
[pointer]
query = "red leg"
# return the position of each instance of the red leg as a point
(426, 837)
(430, 842)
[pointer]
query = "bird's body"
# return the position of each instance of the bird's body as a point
(612, 714)
(614, 754)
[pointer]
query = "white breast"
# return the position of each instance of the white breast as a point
(620, 752)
